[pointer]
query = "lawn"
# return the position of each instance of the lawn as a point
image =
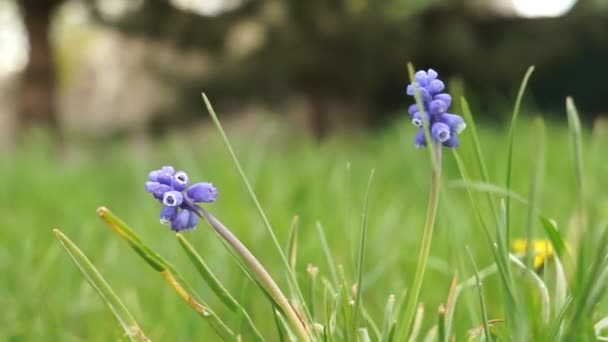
(45, 297)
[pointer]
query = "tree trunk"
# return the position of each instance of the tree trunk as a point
(37, 93)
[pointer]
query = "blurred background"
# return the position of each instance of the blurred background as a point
(137, 67)
(94, 94)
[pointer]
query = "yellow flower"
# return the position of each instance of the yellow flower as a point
(541, 250)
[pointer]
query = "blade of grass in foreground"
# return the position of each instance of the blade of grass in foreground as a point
(483, 170)
(216, 286)
(292, 277)
(124, 317)
(574, 124)
(482, 302)
(388, 325)
(538, 168)
(500, 253)
(510, 143)
(362, 251)
(171, 276)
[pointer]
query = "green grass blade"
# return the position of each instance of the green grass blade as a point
(389, 321)
(483, 170)
(125, 232)
(576, 134)
(491, 189)
(216, 286)
(561, 285)
(363, 335)
(326, 251)
(550, 228)
(261, 212)
(482, 302)
(292, 243)
(312, 271)
(171, 276)
(370, 322)
(574, 124)
(361, 253)
(417, 326)
(500, 253)
(119, 310)
(511, 141)
(281, 326)
(441, 332)
(540, 285)
(537, 173)
(345, 301)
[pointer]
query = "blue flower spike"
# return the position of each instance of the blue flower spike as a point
(179, 201)
(443, 127)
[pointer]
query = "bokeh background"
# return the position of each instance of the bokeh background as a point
(98, 68)
(93, 94)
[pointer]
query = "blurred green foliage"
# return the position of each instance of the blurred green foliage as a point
(45, 298)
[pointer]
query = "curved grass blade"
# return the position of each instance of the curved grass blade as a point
(328, 258)
(491, 189)
(216, 286)
(362, 239)
(540, 284)
(550, 228)
(482, 302)
(549, 225)
(574, 123)
(441, 336)
(119, 310)
(171, 276)
(501, 253)
(510, 143)
(417, 326)
(535, 185)
(389, 321)
(468, 116)
(292, 276)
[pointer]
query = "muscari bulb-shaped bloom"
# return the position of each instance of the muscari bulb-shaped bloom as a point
(185, 220)
(435, 87)
(179, 181)
(180, 222)
(202, 192)
(413, 109)
(443, 126)
(163, 175)
(437, 107)
(168, 214)
(157, 190)
(455, 122)
(179, 201)
(420, 139)
(173, 198)
(417, 119)
(440, 132)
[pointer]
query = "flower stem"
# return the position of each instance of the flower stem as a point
(263, 276)
(427, 235)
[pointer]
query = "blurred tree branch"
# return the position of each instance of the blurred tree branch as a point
(343, 53)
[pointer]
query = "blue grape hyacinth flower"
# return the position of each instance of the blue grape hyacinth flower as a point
(179, 201)
(444, 127)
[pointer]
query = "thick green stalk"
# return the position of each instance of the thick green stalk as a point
(263, 276)
(427, 235)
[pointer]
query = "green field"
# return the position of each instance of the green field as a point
(45, 298)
